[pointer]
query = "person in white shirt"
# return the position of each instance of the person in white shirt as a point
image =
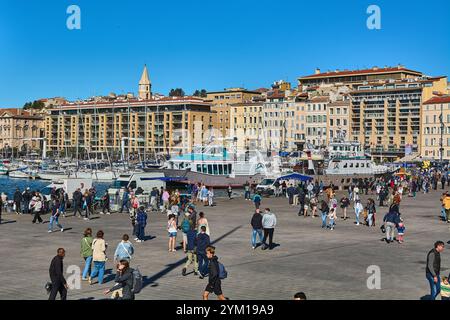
(269, 221)
(358, 210)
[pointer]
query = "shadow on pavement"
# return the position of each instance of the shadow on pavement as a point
(152, 280)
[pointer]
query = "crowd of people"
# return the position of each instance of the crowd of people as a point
(187, 222)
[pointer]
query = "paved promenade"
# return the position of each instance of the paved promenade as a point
(324, 264)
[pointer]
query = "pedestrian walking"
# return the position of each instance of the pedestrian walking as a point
(36, 208)
(124, 250)
(358, 207)
(77, 199)
(172, 230)
(391, 220)
(56, 272)
(247, 191)
(269, 221)
(17, 198)
(324, 210)
(214, 281)
(141, 223)
(99, 247)
(203, 241)
(191, 256)
(86, 253)
(229, 192)
(433, 268)
(257, 228)
(54, 218)
(344, 203)
(202, 221)
(257, 200)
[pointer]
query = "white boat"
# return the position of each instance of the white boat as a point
(19, 174)
(347, 158)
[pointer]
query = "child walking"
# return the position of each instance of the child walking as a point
(401, 231)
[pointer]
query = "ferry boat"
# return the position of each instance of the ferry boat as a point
(348, 158)
(215, 166)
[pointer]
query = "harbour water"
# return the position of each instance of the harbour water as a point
(8, 185)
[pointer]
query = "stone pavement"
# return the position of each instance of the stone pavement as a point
(324, 264)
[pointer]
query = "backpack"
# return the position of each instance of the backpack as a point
(137, 281)
(186, 225)
(223, 274)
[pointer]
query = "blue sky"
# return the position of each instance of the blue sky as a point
(207, 44)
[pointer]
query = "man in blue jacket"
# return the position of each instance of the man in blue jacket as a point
(391, 220)
(202, 243)
(141, 221)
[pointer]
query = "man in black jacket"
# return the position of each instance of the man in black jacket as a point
(56, 271)
(214, 282)
(77, 199)
(18, 200)
(433, 269)
(27, 196)
(257, 226)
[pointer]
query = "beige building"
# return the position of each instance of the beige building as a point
(432, 128)
(338, 114)
(386, 115)
(144, 126)
(221, 101)
(246, 124)
(316, 124)
(20, 129)
(356, 77)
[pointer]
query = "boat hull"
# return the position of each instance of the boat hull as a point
(215, 181)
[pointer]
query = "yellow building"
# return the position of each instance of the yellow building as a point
(338, 126)
(316, 121)
(221, 101)
(147, 127)
(20, 130)
(432, 127)
(246, 124)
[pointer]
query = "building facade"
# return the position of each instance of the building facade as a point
(316, 121)
(338, 114)
(436, 120)
(246, 124)
(221, 103)
(386, 116)
(147, 127)
(20, 130)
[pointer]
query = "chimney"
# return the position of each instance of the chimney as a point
(317, 71)
(337, 70)
(375, 68)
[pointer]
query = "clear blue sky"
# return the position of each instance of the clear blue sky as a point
(207, 44)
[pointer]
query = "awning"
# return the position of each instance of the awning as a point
(165, 179)
(295, 176)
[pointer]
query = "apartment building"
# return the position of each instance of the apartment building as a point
(385, 116)
(221, 103)
(316, 121)
(168, 125)
(355, 77)
(246, 124)
(20, 129)
(436, 125)
(338, 114)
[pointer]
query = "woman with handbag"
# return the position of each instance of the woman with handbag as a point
(86, 252)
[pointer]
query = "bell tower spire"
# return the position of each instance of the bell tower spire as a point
(145, 86)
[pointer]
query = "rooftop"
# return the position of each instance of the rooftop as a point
(438, 100)
(373, 70)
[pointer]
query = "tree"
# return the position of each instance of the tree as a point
(178, 92)
(200, 93)
(37, 105)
